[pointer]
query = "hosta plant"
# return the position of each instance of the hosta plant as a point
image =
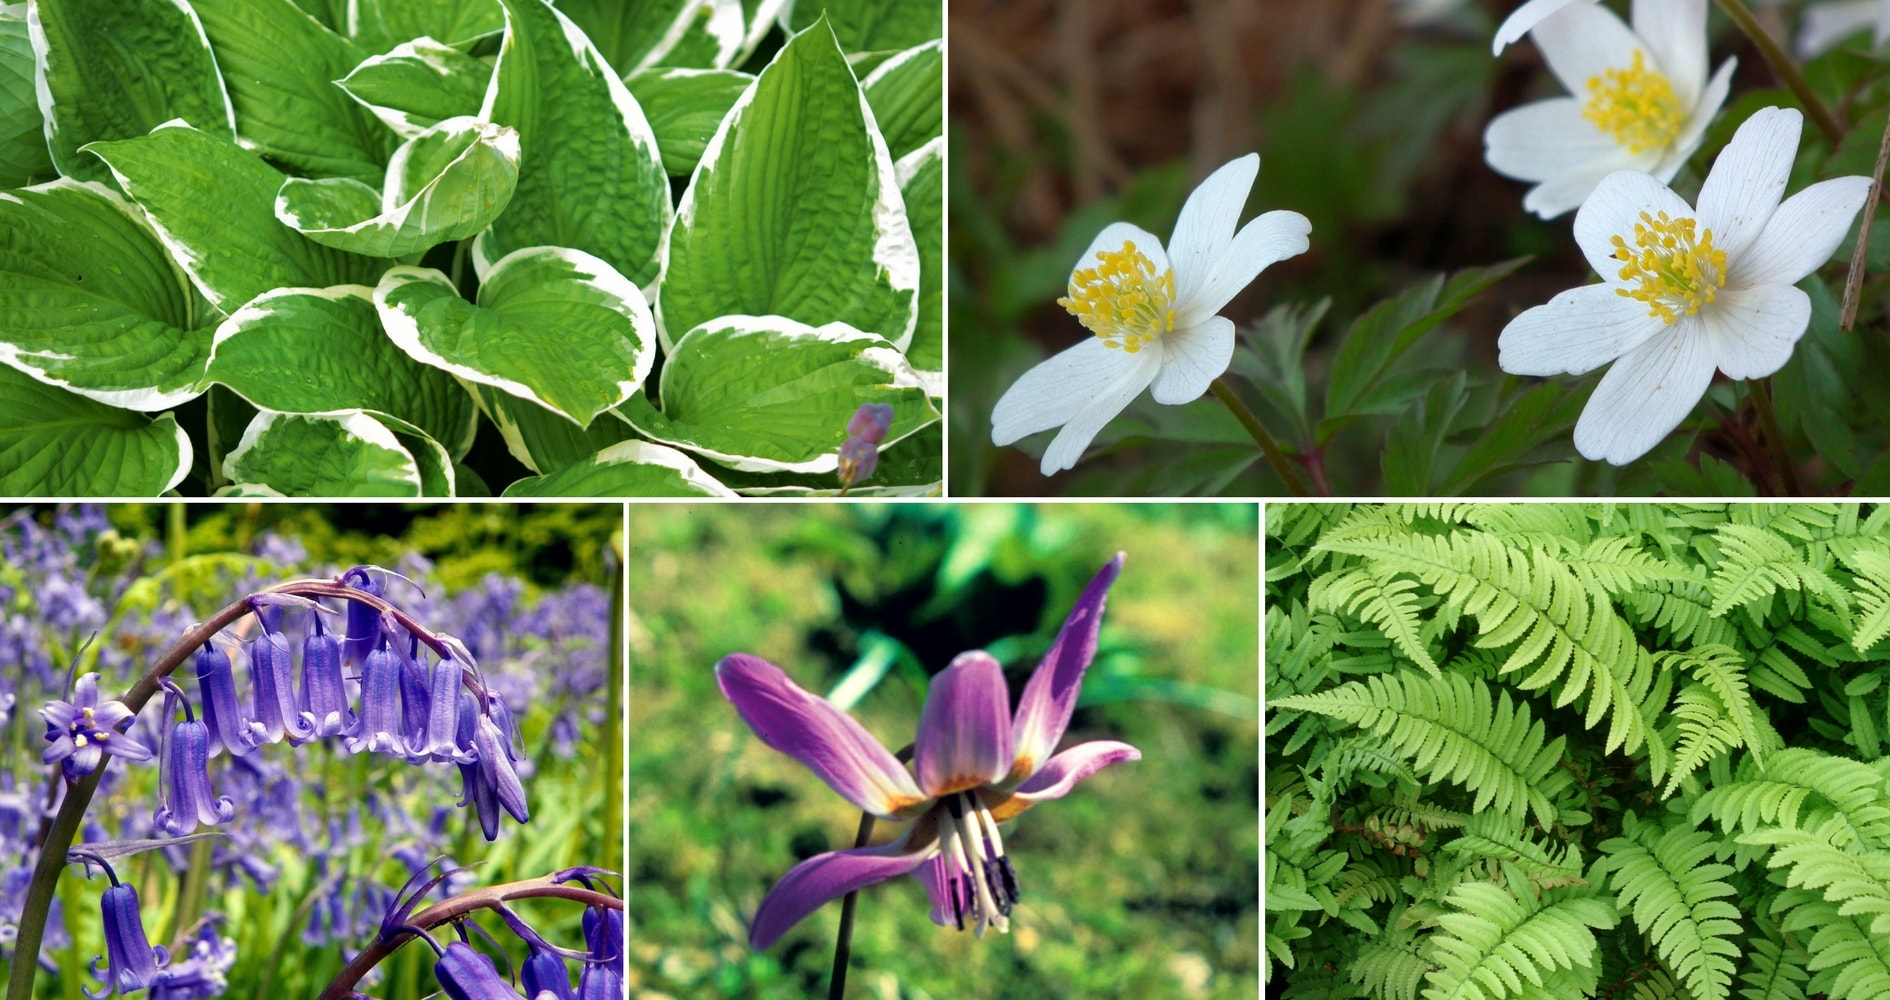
(439, 247)
(1578, 750)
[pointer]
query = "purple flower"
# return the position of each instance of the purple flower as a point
(858, 459)
(201, 975)
(364, 623)
(438, 736)
(464, 974)
(324, 696)
(379, 728)
(602, 978)
(188, 799)
(134, 964)
(82, 731)
(974, 766)
(216, 685)
(871, 422)
(272, 670)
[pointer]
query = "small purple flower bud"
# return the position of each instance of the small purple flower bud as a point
(222, 712)
(189, 799)
(82, 731)
(378, 728)
(602, 978)
(465, 974)
(364, 623)
(271, 670)
(414, 704)
(440, 735)
(495, 767)
(200, 976)
(871, 422)
(133, 963)
(858, 459)
(323, 694)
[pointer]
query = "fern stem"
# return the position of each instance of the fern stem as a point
(1282, 466)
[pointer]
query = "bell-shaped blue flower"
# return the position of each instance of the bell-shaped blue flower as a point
(465, 974)
(188, 799)
(271, 670)
(602, 978)
(364, 623)
(324, 696)
(379, 727)
(133, 964)
(222, 712)
(438, 737)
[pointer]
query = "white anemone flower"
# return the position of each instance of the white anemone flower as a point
(1153, 315)
(1686, 291)
(1523, 18)
(1827, 24)
(1641, 102)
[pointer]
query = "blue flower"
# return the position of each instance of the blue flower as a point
(134, 964)
(82, 731)
(216, 685)
(188, 799)
(324, 697)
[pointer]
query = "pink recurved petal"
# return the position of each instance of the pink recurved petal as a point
(823, 877)
(1061, 773)
(837, 749)
(1050, 697)
(965, 732)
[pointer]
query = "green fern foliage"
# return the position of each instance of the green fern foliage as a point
(1678, 902)
(1388, 604)
(1872, 567)
(1453, 729)
(1495, 941)
(1756, 563)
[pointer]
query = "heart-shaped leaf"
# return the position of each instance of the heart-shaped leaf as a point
(332, 454)
(686, 106)
(56, 443)
(627, 469)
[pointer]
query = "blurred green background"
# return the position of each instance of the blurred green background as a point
(1142, 882)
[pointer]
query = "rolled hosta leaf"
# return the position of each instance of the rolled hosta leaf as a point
(554, 326)
(55, 443)
(419, 84)
(213, 207)
(873, 25)
(24, 157)
(907, 94)
(318, 350)
(544, 441)
(922, 184)
(589, 173)
(636, 35)
(280, 64)
(628, 469)
(768, 394)
(90, 301)
(379, 25)
(685, 107)
(114, 69)
(336, 454)
(447, 183)
(794, 210)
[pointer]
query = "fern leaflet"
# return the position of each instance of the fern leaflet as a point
(1385, 602)
(1677, 903)
(1495, 940)
(1755, 564)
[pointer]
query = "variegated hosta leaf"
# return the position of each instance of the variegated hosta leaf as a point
(907, 94)
(627, 469)
(379, 25)
(447, 183)
(768, 394)
(318, 350)
(24, 157)
(419, 84)
(115, 69)
(213, 207)
(55, 443)
(544, 441)
(794, 210)
(90, 301)
(337, 454)
(685, 107)
(921, 176)
(553, 325)
(636, 35)
(589, 173)
(873, 25)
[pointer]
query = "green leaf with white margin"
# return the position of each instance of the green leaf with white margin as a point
(873, 25)
(544, 441)
(794, 210)
(419, 84)
(553, 325)
(346, 454)
(212, 204)
(114, 69)
(913, 469)
(54, 443)
(907, 95)
(379, 25)
(627, 469)
(447, 183)
(437, 470)
(685, 107)
(769, 394)
(280, 65)
(922, 184)
(24, 157)
(636, 35)
(318, 350)
(90, 301)
(590, 176)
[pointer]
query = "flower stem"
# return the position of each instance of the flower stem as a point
(843, 941)
(1774, 438)
(1282, 466)
(1785, 68)
(65, 824)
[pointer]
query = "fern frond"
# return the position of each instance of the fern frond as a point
(1529, 599)
(1773, 971)
(1723, 671)
(1452, 729)
(1390, 966)
(1490, 835)
(1803, 521)
(1657, 985)
(1847, 962)
(1681, 613)
(1677, 902)
(1793, 778)
(1859, 883)
(1706, 731)
(1496, 940)
(1872, 569)
(1755, 564)
(1617, 566)
(1386, 602)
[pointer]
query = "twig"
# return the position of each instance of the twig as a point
(1774, 438)
(1854, 279)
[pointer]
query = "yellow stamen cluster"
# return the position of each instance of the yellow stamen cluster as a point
(1122, 299)
(1636, 106)
(1678, 272)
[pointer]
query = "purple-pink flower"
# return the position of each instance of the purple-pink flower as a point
(975, 765)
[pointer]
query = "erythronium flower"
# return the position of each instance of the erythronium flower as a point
(82, 731)
(1827, 24)
(1641, 102)
(1523, 18)
(1686, 291)
(974, 766)
(1153, 315)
